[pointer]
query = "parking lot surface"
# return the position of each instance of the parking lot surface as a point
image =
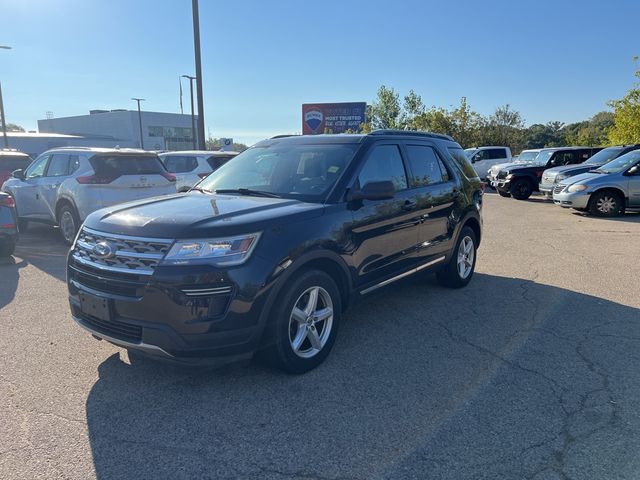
(532, 371)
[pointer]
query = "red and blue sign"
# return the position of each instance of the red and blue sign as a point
(332, 117)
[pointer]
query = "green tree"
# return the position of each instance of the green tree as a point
(385, 112)
(626, 116)
(12, 127)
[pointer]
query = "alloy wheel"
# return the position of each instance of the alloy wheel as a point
(466, 255)
(606, 204)
(310, 322)
(68, 226)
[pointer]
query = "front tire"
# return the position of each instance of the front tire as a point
(69, 223)
(304, 322)
(606, 204)
(521, 189)
(504, 194)
(459, 271)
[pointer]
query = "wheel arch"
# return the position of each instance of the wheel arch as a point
(62, 202)
(474, 225)
(609, 188)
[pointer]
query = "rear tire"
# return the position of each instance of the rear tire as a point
(304, 322)
(504, 194)
(606, 204)
(7, 248)
(459, 271)
(521, 189)
(68, 222)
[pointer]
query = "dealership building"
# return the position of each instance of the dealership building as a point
(160, 130)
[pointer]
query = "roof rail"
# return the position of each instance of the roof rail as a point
(285, 136)
(411, 133)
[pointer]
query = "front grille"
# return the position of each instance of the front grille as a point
(558, 189)
(113, 328)
(126, 254)
(502, 175)
(548, 179)
(105, 281)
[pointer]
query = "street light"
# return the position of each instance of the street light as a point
(193, 118)
(140, 120)
(196, 48)
(4, 125)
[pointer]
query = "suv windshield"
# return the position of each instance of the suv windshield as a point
(604, 156)
(543, 157)
(116, 165)
(305, 172)
(621, 163)
(10, 163)
(527, 156)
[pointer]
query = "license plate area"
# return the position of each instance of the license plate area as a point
(95, 306)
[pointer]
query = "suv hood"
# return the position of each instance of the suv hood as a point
(198, 215)
(568, 168)
(586, 178)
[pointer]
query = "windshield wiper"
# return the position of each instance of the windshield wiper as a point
(597, 170)
(249, 192)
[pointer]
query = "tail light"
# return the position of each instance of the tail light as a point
(95, 180)
(7, 201)
(169, 176)
(204, 175)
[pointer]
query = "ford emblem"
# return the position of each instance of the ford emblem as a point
(103, 250)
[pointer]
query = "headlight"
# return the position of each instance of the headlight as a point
(560, 177)
(577, 188)
(509, 177)
(217, 251)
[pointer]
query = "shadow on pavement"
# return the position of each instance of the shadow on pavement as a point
(9, 277)
(422, 382)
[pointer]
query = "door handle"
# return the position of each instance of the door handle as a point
(409, 205)
(456, 193)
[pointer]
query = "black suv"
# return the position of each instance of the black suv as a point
(267, 252)
(520, 181)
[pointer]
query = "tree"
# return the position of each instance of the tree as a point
(385, 111)
(626, 116)
(12, 127)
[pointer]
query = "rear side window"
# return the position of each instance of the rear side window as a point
(116, 165)
(426, 167)
(180, 163)
(496, 153)
(217, 161)
(384, 163)
(9, 163)
(58, 165)
(461, 160)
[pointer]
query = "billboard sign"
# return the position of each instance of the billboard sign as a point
(332, 117)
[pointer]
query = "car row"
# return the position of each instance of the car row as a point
(64, 185)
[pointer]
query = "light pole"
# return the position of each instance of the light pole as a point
(193, 117)
(140, 120)
(4, 124)
(196, 45)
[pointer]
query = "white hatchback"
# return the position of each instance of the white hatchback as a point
(64, 185)
(190, 167)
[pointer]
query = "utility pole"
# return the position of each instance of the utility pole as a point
(140, 120)
(4, 124)
(196, 45)
(193, 117)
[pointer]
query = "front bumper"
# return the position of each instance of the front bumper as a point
(546, 188)
(164, 315)
(572, 200)
(502, 185)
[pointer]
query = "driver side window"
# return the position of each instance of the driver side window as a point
(384, 163)
(36, 169)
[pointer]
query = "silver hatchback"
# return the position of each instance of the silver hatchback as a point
(64, 185)
(606, 191)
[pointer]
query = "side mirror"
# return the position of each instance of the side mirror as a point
(19, 174)
(383, 190)
(475, 158)
(635, 170)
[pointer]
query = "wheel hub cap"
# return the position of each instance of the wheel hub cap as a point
(310, 322)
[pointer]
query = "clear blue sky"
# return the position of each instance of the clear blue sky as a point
(552, 60)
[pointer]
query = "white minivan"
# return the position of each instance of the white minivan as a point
(483, 158)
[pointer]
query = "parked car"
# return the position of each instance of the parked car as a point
(268, 250)
(520, 181)
(11, 160)
(607, 191)
(64, 185)
(526, 156)
(552, 176)
(8, 225)
(190, 167)
(483, 158)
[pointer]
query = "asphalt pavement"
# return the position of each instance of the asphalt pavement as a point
(532, 371)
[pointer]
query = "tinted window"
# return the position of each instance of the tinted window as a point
(217, 161)
(36, 169)
(74, 163)
(564, 158)
(425, 166)
(461, 159)
(384, 163)
(301, 171)
(58, 165)
(496, 153)
(9, 163)
(180, 163)
(115, 165)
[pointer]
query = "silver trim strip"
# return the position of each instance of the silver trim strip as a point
(111, 269)
(128, 237)
(402, 275)
(123, 343)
